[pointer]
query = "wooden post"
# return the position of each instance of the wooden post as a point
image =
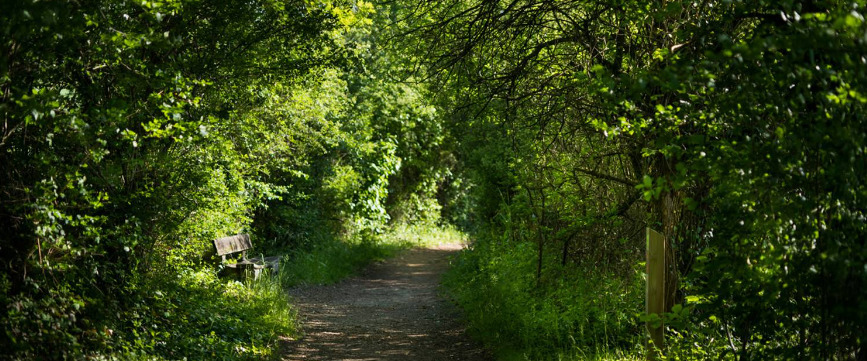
(655, 295)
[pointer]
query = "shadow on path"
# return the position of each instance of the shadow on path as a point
(392, 311)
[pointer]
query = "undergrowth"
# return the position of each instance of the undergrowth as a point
(199, 316)
(578, 313)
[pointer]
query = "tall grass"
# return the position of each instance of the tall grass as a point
(574, 313)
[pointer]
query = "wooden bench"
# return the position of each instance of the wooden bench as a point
(241, 243)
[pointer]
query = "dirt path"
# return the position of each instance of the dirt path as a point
(391, 311)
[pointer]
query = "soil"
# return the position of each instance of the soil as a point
(391, 311)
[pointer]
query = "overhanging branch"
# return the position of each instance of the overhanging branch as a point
(606, 176)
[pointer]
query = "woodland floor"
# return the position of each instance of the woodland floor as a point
(392, 311)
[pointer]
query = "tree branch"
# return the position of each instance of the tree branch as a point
(606, 176)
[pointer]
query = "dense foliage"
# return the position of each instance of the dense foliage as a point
(135, 133)
(735, 128)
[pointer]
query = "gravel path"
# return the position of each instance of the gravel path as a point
(392, 311)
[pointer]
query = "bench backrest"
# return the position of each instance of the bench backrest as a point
(232, 244)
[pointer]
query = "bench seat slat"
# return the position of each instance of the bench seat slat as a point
(247, 265)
